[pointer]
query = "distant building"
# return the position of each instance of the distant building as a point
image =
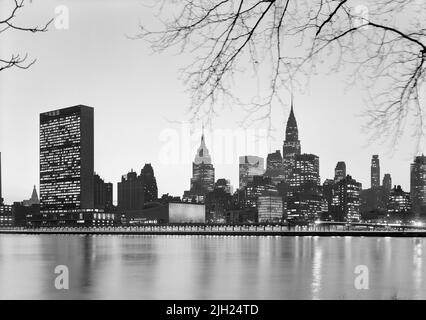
(6, 217)
(33, 200)
(418, 186)
(328, 188)
(291, 145)
(249, 167)
(24, 215)
(304, 201)
(270, 208)
(66, 165)
(130, 192)
(103, 193)
(399, 202)
(218, 202)
(340, 171)
(387, 182)
(149, 183)
(255, 188)
(202, 181)
(375, 171)
(275, 167)
(346, 200)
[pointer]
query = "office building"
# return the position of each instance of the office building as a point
(399, 202)
(149, 183)
(346, 200)
(375, 171)
(103, 193)
(418, 186)
(270, 208)
(66, 165)
(291, 145)
(130, 192)
(275, 167)
(304, 201)
(202, 181)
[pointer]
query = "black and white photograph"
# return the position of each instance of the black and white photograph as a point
(204, 151)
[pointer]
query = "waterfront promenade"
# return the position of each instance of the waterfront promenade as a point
(326, 230)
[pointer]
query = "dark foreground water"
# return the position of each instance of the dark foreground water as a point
(199, 267)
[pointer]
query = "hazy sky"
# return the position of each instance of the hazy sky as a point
(139, 102)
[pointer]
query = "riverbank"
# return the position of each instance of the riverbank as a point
(307, 233)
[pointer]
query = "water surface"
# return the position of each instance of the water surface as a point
(204, 267)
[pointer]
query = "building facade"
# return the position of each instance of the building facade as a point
(66, 165)
(399, 202)
(270, 208)
(149, 183)
(203, 175)
(346, 200)
(418, 186)
(375, 171)
(304, 201)
(291, 145)
(130, 192)
(275, 167)
(103, 193)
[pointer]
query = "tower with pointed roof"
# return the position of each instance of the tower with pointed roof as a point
(202, 180)
(291, 145)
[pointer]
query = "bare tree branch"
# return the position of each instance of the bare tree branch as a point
(291, 39)
(8, 23)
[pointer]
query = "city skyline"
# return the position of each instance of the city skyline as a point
(291, 120)
(136, 115)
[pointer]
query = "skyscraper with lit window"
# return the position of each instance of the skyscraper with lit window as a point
(418, 186)
(346, 200)
(304, 198)
(66, 164)
(399, 202)
(375, 171)
(202, 181)
(291, 145)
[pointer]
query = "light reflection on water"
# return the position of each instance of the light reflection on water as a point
(199, 267)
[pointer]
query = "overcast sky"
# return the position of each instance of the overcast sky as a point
(139, 102)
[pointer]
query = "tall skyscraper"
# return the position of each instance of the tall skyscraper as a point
(249, 167)
(387, 182)
(202, 181)
(304, 201)
(418, 186)
(149, 183)
(375, 171)
(130, 192)
(291, 145)
(340, 171)
(275, 167)
(346, 200)
(102, 193)
(66, 164)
